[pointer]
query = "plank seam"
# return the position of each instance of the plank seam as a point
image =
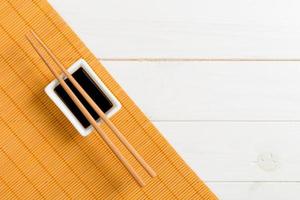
(191, 59)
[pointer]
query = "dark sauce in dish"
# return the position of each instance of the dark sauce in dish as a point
(88, 84)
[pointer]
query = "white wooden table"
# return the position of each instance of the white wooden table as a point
(220, 79)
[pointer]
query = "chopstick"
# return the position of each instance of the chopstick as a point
(85, 112)
(102, 115)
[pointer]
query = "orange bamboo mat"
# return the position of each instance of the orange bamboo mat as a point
(41, 154)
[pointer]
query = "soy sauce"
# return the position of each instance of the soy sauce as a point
(93, 90)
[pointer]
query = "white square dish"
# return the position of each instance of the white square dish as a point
(49, 89)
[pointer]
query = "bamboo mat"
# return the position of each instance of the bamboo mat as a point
(41, 155)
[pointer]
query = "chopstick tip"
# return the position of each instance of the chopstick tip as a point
(27, 35)
(30, 33)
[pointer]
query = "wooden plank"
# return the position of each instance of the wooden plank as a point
(191, 28)
(212, 90)
(256, 190)
(237, 151)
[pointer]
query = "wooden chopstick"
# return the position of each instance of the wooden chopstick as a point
(102, 115)
(89, 117)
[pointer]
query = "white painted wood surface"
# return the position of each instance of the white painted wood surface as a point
(191, 91)
(186, 28)
(237, 124)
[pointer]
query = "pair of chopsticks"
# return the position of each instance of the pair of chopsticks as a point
(31, 37)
